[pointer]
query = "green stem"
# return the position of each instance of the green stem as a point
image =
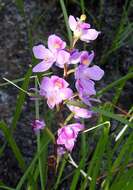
(66, 21)
(60, 172)
(38, 137)
(70, 116)
(17, 86)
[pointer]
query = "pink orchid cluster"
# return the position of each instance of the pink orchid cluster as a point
(56, 90)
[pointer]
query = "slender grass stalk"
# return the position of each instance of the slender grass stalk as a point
(111, 115)
(124, 30)
(82, 4)
(62, 167)
(76, 175)
(71, 161)
(115, 83)
(32, 165)
(38, 139)
(124, 128)
(22, 79)
(6, 188)
(17, 86)
(13, 145)
(97, 126)
(70, 116)
(66, 21)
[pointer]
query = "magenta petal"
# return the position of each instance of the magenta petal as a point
(95, 73)
(85, 26)
(72, 23)
(42, 66)
(39, 51)
(77, 127)
(69, 144)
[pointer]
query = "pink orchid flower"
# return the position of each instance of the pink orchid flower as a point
(67, 135)
(55, 90)
(48, 55)
(82, 30)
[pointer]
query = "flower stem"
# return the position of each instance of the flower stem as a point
(38, 136)
(70, 116)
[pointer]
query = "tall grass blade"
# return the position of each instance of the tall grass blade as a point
(13, 145)
(94, 165)
(21, 99)
(48, 139)
(66, 21)
(76, 175)
(115, 83)
(112, 115)
(20, 6)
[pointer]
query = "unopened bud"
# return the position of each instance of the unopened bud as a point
(83, 17)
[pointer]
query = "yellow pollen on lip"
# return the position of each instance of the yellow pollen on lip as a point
(56, 45)
(83, 17)
(85, 62)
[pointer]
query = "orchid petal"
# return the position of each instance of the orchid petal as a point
(38, 51)
(62, 58)
(42, 66)
(95, 73)
(89, 35)
(55, 43)
(72, 23)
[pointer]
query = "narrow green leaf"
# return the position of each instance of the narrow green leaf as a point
(125, 182)
(112, 115)
(21, 99)
(13, 145)
(82, 4)
(20, 6)
(115, 83)
(94, 165)
(2, 187)
(66, 21)
(63, 164)
(48, 139)
(125, 148)
(76, 176)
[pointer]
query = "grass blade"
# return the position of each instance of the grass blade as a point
(48, 139)
(13, 145)
(115, 83)
(94, 165)
(20, 6)
(63, 164)
(21, 99)
(112, 115)
(76, 175)
(66, 21)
